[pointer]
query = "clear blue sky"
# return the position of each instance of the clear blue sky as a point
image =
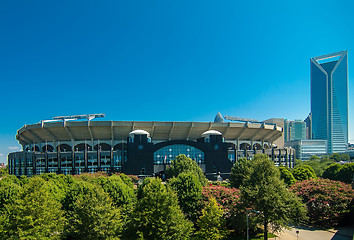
(164, 60)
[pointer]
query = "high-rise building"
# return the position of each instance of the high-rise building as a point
(308, 122)
(294, 130)
(329, 100)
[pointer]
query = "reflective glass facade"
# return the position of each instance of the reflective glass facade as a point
(329, 100)
(166, 154)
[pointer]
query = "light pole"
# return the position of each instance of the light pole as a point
(248, 213)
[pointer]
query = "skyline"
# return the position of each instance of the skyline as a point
(170, 61)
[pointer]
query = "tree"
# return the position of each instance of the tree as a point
(331, 172)
(336, 157)
(346, 173)
(211, 223)
(318, 164)
(9, 192)
(287, 176)
(121, 193)
(265, 192)
(35, 214)
(227, 198)
(4, 171)
(189, 193)
(91, 213)
(157, 214)
(240, 172)
(327, 201)
(304, 172)
(185, 164)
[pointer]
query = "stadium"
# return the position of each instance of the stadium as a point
(71, 145)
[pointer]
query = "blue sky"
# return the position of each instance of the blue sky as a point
(164, 60)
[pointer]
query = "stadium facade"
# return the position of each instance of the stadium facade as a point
(140, 148)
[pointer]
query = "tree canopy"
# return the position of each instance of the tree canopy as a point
(327, 201)
(185, 164)
(35, 214)
(265, 192)
(91, 213)
(240, 172)
(157, 214)
(211, 223)
(287, 176)
(189, 193)
(303, 172)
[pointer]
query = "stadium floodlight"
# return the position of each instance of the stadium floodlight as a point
(89, 117)
(239, 119)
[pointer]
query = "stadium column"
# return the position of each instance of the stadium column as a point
(73, 158)
(286, 157)
(46, 161)
(85, 158)
(273, 153)
(112, 168)
(25, 157)
(59, 159)
(19, 166)
(98, 157)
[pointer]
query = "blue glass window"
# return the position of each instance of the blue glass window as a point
(166, 154)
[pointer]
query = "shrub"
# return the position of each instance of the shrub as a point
(211, 224)
(331, 172)
(304, 172)
(346, 173)
(287, 176)
(227, 198)
(327, 201)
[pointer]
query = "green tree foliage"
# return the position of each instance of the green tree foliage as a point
(265, 192)
(35, 214)
(287, 176)
(240, 172)
(157, 214)
(304, 172)
(327, 201)
(331, 172)
(336, 157)
(189, 193)
(211, 224)
(227, 198)
(4, 171)
(185, 164)
(346, 173)
(62, 183)
(318, 164)
(9, 192)
(128, 180)
(91, 213)
(343, 173)
(121, 191)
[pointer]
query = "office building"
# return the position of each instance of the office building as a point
(329, 100)
(294, 130)
(306, 148)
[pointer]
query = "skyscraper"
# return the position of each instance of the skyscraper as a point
(294, 130)
(329, 100)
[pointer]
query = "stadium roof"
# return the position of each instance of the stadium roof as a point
(119, 130)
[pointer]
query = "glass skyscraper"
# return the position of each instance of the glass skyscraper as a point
(329, 100)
